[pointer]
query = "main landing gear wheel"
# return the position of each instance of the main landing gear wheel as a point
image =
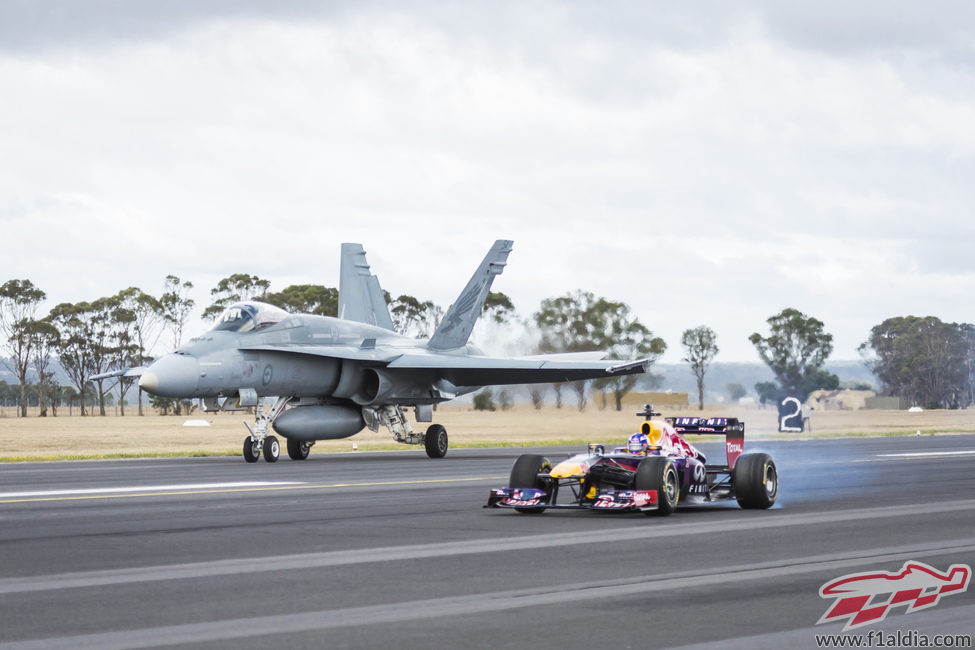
(436, 441)
(658, 473)
(298, 450)
(272, 449)
(251, 452)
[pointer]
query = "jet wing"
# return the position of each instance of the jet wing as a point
(124, 372)
(485, 371)
(354, 353)
(468, 370)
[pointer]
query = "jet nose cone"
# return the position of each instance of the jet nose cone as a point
(174, 375)
(149, 382)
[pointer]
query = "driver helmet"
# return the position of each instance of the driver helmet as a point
(637, 443)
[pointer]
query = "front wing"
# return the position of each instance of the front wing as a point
(611, 500)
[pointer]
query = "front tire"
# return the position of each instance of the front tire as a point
(272, 449)
(436, 441)
(524, 474)
(250, 450)
(756, 481)
(298, 450)
(658, 473)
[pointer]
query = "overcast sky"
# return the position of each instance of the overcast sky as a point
(707, 163)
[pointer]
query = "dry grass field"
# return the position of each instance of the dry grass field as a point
(112, 436)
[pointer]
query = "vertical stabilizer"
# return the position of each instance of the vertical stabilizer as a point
(360, 296)
(457, 325)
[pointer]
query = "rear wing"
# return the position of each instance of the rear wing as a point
(732, 429)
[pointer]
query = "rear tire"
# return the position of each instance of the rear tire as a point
(272, 449)
(298, 450)
(658, 473)
(436, 441)
(756, 481)
(524, 474)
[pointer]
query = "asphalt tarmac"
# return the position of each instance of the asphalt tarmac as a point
(365, 550)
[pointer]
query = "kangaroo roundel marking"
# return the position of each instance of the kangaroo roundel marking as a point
(268, 374)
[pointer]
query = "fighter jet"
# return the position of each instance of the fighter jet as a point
(326, 378)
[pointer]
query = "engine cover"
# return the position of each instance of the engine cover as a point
(319, 422)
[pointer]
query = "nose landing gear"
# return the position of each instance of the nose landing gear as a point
(260, 441)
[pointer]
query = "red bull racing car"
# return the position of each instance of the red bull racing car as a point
(655, 471)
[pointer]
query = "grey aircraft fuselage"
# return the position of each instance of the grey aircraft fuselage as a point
(331, 377)
(222, 364)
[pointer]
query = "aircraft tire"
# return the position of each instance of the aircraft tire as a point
(250, 450)
(436, 441)
(298, 450)
(272, 449)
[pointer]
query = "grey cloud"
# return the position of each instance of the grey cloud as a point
(38, 25)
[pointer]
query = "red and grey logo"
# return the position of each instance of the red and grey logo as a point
(865, 598)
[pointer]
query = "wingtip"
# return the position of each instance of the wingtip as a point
(642, 364)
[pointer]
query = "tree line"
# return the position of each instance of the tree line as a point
(923, 360)
(90, 338)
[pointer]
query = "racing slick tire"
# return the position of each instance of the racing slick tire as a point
(524, 474)
(250, 450)
(298, 450)
(756, 481)
(658, 473)
(436, 441)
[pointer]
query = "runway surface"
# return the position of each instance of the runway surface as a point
(394, 549)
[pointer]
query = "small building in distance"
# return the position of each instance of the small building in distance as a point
(840, 400)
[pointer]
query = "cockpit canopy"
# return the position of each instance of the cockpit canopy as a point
(248, 316)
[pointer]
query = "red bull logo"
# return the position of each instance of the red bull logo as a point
(865, 598)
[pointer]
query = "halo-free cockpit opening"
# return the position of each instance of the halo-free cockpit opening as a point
(248, 316)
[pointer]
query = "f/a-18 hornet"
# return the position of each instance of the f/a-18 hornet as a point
(340, 375)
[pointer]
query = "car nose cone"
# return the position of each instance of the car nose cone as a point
(174, 375)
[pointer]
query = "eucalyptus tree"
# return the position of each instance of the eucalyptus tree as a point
(113, 345)
(75, 345)
(176, 305)
(413, 317)
(306, 299)
(700, 347)
(498, 307)
(45, 344)
(580, 322)
(796, 350)
(552, 322)
(623, 336)
(235, 288)
(142, 319)
(923, 359)
(19, 300)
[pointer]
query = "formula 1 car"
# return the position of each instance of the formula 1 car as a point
(653, 479)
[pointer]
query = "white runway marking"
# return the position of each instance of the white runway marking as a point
(928, 454)
(306, 561)
(143, 488)
(481, 603)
